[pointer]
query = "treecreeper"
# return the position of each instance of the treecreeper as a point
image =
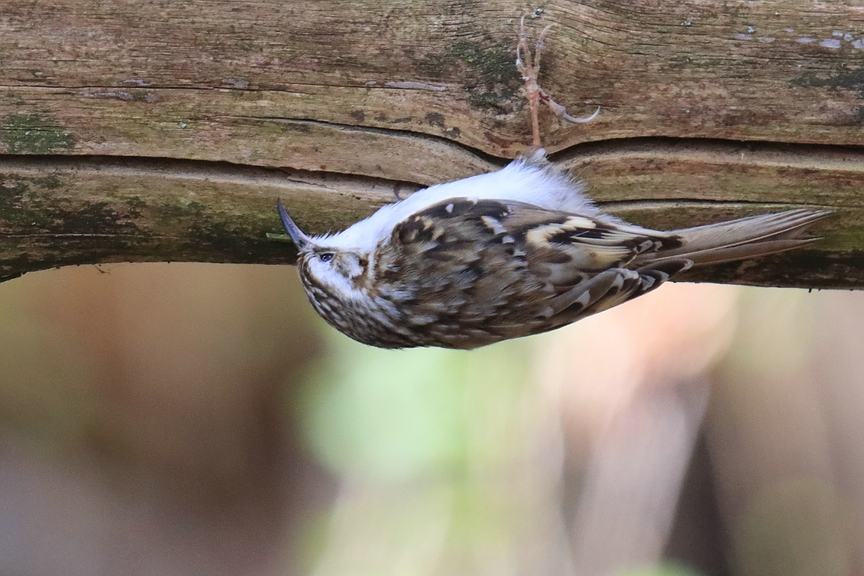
(507, 254)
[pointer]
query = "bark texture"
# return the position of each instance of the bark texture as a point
(165, 130)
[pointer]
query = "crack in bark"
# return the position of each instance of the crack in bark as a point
(685, 202)
(745, 153)
(64, 209)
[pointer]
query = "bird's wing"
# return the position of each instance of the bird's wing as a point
(503, 265)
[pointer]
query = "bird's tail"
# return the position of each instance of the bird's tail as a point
(743, 238)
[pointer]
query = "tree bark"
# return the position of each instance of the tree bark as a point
(166, 130)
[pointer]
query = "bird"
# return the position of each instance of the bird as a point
(510, 253)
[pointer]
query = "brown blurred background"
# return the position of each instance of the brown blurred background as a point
(200, 419)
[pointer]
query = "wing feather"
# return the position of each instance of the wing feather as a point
(504, 268)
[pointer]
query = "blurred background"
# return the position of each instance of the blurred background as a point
(200, 419)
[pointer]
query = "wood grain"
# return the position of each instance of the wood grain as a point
(164, 130)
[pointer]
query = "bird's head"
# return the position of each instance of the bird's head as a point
(326, 269)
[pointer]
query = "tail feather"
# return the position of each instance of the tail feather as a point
(741, 239)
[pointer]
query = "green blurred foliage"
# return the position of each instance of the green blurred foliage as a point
(399, 414)
(661, 570)
(430, 448)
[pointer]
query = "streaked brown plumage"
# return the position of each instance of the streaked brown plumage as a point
(464, 273)
(507, 254)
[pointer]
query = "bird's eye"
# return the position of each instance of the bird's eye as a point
(326, 257)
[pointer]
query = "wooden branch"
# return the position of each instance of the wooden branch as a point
(165, 131)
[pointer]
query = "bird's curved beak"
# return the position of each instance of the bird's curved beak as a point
(300, 239)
